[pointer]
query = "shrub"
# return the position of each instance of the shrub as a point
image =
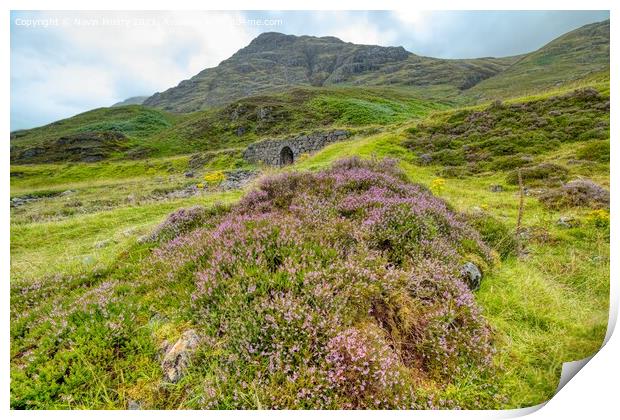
(596, 151)
(177, 223)
(578, 193)
(497, 137)
(599, 218)
(214, 178)
(494, 232)
(547, 173)
(333, 289)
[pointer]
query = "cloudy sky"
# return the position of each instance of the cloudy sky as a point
(64, 63)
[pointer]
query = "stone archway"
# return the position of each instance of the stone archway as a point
(286, 156)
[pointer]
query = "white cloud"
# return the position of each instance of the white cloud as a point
(99, 58)
(354, 27)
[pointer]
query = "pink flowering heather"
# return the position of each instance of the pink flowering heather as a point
(334, 289)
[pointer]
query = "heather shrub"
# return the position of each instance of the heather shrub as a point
(181, 221)
(547, 173)
(508, 136)
(334, 289)
(578, 193)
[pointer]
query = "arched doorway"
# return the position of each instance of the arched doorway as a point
(286, 156)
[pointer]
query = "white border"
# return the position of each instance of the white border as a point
(592, 393)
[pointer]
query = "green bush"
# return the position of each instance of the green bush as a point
(544, 173)
(494, 233)
(596, 151)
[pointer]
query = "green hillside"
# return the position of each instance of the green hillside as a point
(138, 132)
(573, 56)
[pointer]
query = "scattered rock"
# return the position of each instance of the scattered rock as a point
(66, 193)
(103, 244)
(189, 174)
(567, 222)
(237, 179)
(263, 113)
(426, 159)
(240, 131)
(133, 405)
(471, 275)
(20, 201)
(177, 358)
(183, 193)
(496, 188)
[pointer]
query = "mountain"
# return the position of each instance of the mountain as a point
(134, 100)
(273, 62)
(570, 57)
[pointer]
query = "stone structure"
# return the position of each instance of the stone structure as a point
(285, 152)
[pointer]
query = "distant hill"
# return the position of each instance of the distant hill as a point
(90, 136)
(134, 100)
(273, 62)
(137, 131)
(571, 57)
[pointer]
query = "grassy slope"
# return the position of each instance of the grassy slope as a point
(550, 308)
(571, 57)
(155, 133)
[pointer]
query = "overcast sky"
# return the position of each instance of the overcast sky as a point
(64, 63)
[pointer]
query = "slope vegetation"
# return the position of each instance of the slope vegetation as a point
(571, 57)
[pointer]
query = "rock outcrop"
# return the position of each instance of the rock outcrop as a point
(177, 358)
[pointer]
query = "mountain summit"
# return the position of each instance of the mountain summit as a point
(273, 61)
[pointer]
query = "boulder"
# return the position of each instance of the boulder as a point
(177, 358)
(426, 159)
(471, 275)
(496, 188)
(133, 405)
(567, 222)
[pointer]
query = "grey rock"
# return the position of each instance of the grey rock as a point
(472, 275)
(237, 179)
(567, 222)
(66, 193)
(189, 174)
(426, 159)
(133, 405)
(496, 188)
(177, 358)
(183, 193)
(103, 244)
(20, 201)
(263, 113)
